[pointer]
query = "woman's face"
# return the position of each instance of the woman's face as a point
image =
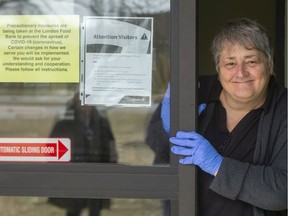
(243, 73)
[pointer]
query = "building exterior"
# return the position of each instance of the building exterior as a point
(46, 64)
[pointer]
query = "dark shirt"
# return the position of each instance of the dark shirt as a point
(238, 144)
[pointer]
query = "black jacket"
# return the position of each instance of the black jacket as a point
(263, 184)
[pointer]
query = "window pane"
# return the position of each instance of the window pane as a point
(35, 206)
(98, 133)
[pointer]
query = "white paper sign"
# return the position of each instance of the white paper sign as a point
(117, 61)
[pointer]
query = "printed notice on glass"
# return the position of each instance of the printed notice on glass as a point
(39, 48)
(117, 61)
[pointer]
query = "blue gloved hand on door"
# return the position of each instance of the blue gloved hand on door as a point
(197, 150)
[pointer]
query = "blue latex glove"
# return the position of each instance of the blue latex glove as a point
(201, 107)
(197, 150)
(165, 110)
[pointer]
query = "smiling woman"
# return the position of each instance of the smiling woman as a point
(244, 75)
(244, 64)
(241, 141)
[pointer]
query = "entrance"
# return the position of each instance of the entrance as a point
(112, 164)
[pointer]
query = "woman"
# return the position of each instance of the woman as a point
(241, 142)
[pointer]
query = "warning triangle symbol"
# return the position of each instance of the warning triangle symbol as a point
(144, 37)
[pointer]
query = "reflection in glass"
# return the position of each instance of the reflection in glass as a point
(98, 133)
(113, 134)
(40, 206)
(89, 132)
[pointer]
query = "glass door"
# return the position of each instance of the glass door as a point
(68, 146)
(62, 153)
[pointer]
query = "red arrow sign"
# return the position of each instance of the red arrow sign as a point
(34, 149)
(61, 149)
(28, 149)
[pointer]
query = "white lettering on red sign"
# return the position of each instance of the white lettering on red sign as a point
(35, 149)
